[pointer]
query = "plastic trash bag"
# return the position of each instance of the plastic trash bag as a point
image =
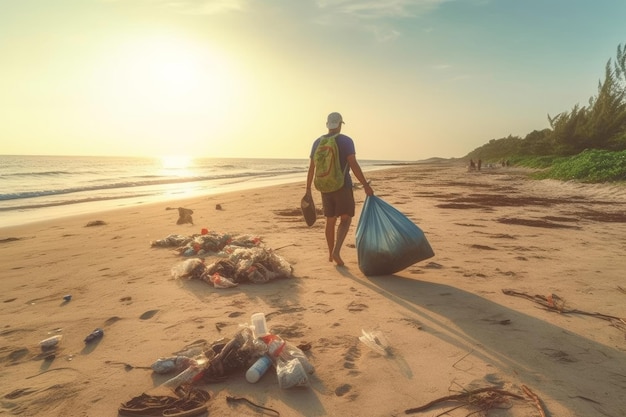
(291, 373)
(188, 269)
(386, 240)
(376, 341)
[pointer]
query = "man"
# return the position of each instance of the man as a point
(338, 204)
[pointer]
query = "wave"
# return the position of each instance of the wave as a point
(69, 202)
(36, 174)
(144, 182)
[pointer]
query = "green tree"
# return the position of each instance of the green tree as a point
(601, 125)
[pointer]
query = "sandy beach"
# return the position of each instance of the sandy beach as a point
(525, 295)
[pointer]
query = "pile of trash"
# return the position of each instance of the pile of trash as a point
(255, 265)
(206, 243)
(247, 352)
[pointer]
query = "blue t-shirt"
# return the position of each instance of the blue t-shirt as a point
(346, 147)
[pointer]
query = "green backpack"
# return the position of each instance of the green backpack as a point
(328, 174)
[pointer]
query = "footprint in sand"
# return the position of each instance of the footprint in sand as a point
(19, 393)
(353, 306)
(148, 314)
(293, 331)
(112, 320)
(18, 354)
(342, 390)
(350, 358)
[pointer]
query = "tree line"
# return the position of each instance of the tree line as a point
(600, 125)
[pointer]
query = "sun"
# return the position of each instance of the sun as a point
(166, 93)
(167, 74)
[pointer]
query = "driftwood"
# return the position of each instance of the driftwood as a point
(555, 303)
(535, 399)
(485, 398)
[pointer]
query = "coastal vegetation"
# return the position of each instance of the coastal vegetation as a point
(587, 143)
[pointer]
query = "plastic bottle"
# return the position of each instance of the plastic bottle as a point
(258, 369)
(259, 323)
(172, 363)
(185, 376)
(96, 334)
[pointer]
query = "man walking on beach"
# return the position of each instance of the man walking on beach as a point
(340, 203)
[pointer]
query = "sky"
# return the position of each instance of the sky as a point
(413, 79)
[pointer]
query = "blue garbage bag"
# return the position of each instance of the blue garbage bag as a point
(386, 240)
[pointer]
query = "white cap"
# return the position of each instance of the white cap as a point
(334, 120)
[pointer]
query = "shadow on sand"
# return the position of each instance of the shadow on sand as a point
(539, 353)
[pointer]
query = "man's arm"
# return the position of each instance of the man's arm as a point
(309, 176)
(356, 169)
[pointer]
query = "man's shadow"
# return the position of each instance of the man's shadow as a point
(536, 351)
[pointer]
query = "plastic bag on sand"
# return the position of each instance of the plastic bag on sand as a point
(291, 351)
(291, 373)
(170, 364)
(259, 265)
(190, 268)
(219, 281)
(376, 341)
(386, 240)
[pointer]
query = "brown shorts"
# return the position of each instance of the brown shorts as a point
(338, 203)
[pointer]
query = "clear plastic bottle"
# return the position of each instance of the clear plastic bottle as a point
(259, 323)
(258, 369)
(185, 376)
(172, 363)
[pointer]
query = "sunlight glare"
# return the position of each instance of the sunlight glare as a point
(167, 74)
(179, 163)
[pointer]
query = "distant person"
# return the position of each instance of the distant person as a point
(472, 165)
(337, 204)
(479, 164)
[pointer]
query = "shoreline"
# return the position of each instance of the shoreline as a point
(17, 217)
(449, 322)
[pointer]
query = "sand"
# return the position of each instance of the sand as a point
(450, 325)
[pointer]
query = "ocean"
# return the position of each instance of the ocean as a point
(36, 188)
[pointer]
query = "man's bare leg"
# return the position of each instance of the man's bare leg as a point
(342, 232)
(330, 236)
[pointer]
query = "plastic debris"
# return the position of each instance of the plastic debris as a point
(256, 265)
(376, 341)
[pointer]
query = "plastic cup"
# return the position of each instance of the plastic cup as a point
(259, 323)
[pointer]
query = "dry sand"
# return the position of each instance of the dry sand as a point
(451, 327)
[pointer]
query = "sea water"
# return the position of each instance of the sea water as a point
(35, 188)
